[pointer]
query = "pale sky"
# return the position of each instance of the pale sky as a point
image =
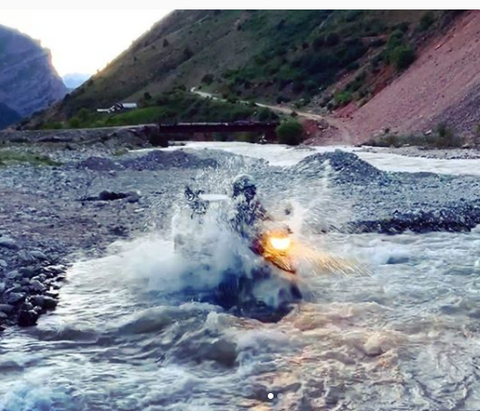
(82, 41)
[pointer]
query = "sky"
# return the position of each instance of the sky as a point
(82, 41)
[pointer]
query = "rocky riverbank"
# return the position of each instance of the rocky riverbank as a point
(442, 154)
(53, 215)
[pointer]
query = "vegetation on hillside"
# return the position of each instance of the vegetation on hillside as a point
(290, 132)
(175, 106)
(9, 157)
(267, 55)
(443, 137)
(311, 50)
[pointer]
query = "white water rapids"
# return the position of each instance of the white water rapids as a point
(405, 338)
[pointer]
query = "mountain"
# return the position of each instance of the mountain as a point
(28, 80)
(334, 62)
(8, 116)
(74, 80)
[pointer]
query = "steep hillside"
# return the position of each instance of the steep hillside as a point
(8, 116)
(273, 56)
(28, 81)
(441, 87)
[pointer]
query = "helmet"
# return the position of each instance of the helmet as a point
(243, 183)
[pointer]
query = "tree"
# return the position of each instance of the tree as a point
(290, 132)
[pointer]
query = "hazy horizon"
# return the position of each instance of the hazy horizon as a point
(82, 41)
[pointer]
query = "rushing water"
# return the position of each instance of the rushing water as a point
(405, 337)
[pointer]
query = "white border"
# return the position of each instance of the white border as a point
(244, 4)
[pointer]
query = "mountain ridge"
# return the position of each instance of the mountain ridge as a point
(28, 80)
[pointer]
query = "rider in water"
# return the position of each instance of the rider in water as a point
(248, 212)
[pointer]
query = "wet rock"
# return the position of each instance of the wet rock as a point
(9, 243)
(6, 308)
(55, 269)
(27, 318)
(15, 298)
(27, 306)
(2, 287)
(12, 275)
(398, 259)
(133, 197)
(28, 272)
(111, 195)
(37, 286)
(3, 264)
(26, 257)
(45, 302)
(38, 255)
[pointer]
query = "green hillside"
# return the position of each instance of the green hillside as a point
(271, 56)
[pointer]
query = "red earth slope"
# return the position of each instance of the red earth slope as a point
(442, 86)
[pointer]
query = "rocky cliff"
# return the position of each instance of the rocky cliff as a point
(28, 80)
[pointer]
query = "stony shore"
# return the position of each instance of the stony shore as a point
(51, 216)
(411, 151)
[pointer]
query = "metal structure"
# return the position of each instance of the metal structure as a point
(233, 127)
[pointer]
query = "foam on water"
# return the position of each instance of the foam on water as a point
(126, 336)
(281, 155)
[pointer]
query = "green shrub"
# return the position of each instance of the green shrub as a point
(447, 138)
(74, 123)
(402, 56)
(343, 98)
(208, 79)
(426, 21)
(290, 132)
(52, 126)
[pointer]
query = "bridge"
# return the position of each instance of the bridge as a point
(268, 128)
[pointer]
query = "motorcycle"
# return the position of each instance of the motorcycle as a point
(266, 287)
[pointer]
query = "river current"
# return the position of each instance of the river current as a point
(404, 337)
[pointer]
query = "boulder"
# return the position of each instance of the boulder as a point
(27, 318)
(8, 242)
(15, 298)
(6, 308)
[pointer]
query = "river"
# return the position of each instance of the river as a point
(405, 337)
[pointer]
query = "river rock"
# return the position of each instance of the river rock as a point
(46, 303)
(133, 197)
(2, 287)
(37, 286)
(3, 264)
(28, 272)
(111, 195)
(12, 275)
(26, 257)
(15, 298)
(8, 242)
(6, 308)
(27, 318)
(38, 255)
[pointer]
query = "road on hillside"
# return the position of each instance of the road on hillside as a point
(346, 136)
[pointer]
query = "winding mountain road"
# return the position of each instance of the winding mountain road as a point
(345, 136)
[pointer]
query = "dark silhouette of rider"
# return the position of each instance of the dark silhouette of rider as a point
(248, 212)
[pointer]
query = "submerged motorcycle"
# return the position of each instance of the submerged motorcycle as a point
(263, 281)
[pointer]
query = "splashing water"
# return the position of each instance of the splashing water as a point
(126, 335)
